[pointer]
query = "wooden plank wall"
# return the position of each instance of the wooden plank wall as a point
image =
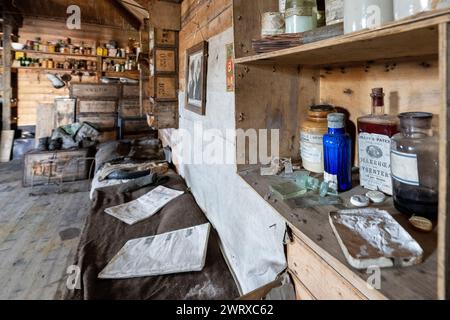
(201, 20)
(33, 87)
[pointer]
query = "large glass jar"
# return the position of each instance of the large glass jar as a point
(300, 15)
(311, 137)
(415, 166)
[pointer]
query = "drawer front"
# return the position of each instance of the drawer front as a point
(320, 279)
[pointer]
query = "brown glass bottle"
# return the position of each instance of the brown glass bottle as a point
(374, 139)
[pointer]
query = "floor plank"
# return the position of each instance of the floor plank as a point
(39, 233)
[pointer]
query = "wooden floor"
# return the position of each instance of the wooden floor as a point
(39, 233)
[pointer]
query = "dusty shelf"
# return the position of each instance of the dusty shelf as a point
(414, 37)
(418, 282)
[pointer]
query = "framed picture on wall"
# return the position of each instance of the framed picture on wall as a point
(196, 75)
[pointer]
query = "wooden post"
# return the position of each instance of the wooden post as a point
(7, 90)
(443, 280)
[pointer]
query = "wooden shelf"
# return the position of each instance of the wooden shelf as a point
(53, 69)
(418, 282)
(413, 37)
(58, 54)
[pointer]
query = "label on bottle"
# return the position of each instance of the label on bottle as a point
(405, 168)
(312, 148)
(375, 162)
(332, 179)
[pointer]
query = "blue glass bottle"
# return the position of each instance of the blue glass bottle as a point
(338, 153)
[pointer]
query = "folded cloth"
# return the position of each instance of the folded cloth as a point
(125, 170)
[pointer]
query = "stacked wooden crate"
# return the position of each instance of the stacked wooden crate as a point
(132, 121)
(98, 105)
(162, 88)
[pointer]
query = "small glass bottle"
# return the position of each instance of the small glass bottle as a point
(374, 144)
(415, 166)
(311, 137)
(338, 154)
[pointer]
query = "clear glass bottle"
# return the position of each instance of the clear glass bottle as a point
(415, 166)
(337, 146)
(374, 145)
(311, 137)
(299, 15)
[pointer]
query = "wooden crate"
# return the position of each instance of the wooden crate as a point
(163, 115)
(96, 106)
(48, 167)
(163, 88)
(134, 127)
(129, 108)
(64, 111)
(165, 60)
(130, 91)
(166, 38)
(103, 122)
(96, 91)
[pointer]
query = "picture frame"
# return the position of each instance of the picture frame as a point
(196, 78)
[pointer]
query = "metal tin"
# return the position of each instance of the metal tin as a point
(272, 24)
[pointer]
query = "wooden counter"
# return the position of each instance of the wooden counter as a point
(319, 267)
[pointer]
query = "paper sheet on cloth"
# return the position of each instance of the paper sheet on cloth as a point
(174, 252)
(145, 206)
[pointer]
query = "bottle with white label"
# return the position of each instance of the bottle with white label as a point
(311, 137)
(374, 145)
(415, 166)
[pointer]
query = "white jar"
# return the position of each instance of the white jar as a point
(363, 14)
(406, 8)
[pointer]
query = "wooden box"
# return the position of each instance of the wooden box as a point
(163, 88)
(134, 127)
(129, 108)
(51, 167)
(165, 38)
(95, 91)
(165, 61)
(96, 106)
(130, 91)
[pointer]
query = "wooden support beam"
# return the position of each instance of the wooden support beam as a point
(134, 21)
(7, 60)
(444, 158)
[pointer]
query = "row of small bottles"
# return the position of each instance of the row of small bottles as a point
(398, 158)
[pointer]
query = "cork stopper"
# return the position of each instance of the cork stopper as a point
(336, 121)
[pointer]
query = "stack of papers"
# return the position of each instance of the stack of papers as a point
(144, 207)
(169, 253)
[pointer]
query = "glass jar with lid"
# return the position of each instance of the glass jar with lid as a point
(415, 166)
(300, 15)
(311, 137)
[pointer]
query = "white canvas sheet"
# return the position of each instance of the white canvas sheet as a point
(174, 252)
(145, 206)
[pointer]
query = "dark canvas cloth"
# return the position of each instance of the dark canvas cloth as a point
(105, 235)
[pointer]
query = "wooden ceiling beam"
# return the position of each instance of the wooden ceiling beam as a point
(134, 21)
